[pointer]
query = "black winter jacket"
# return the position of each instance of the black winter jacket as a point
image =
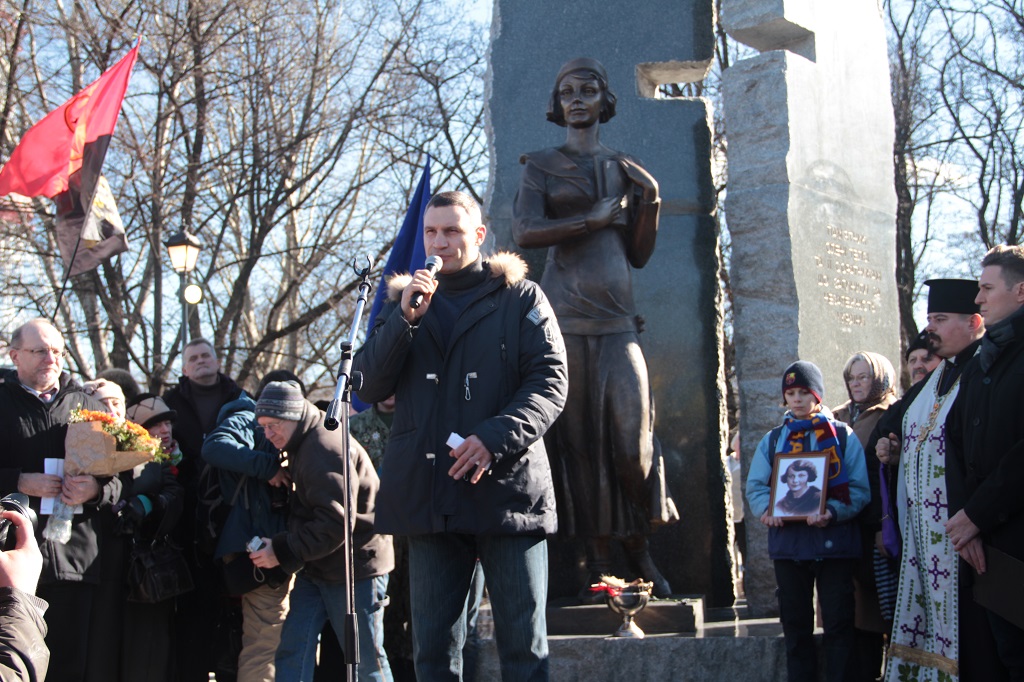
(985, 447)
(189, 432)
(34, 431)
(501, 376)
(23, 653)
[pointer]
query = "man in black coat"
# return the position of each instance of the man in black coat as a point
(985, 434)
(78, 577)
(201, 392)
(479, 374)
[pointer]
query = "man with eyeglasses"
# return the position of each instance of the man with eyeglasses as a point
(36, 399)
(312, 546)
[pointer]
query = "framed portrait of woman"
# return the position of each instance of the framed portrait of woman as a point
(798, 485)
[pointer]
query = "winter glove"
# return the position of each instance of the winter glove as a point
(130, 516)
(168, 509)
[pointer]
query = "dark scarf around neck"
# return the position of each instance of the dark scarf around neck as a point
(999, 336)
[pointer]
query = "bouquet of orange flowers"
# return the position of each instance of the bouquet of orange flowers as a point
(99, 444)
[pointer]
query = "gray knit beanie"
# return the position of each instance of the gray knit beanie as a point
(281, 400)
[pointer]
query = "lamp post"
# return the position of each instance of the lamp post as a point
(183, 249)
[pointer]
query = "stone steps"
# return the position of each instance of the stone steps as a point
(722, 647)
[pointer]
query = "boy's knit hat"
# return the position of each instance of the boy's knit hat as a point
(281, 400)
(803, 374)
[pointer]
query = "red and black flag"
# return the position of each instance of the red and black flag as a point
(61, 157)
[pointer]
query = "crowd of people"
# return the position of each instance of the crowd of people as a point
(901, 513)
(915, 540)
(237, 468)
(251, 494)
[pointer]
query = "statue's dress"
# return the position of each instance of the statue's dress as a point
(602, 446)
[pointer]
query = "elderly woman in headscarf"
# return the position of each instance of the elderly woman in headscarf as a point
(870, 382)
(109, 393)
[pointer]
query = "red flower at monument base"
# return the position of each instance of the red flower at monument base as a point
(611, 590)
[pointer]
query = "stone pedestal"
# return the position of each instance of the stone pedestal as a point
(675, 616)
(811, 210)
(655, 658)
(641, 45)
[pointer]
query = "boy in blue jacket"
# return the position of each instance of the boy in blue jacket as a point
(823, 548)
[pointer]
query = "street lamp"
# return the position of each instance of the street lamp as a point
(183, 249)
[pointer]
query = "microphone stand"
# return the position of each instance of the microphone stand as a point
(339, 407)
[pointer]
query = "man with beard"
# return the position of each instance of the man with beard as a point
(925, 636)
(985, 472)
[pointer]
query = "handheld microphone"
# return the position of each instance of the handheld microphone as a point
(432, 265)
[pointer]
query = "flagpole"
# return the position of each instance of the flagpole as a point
(67, 276)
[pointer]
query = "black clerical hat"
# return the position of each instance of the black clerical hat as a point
(952, 296)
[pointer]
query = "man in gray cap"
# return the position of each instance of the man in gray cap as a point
(926, 631)
(313, 546)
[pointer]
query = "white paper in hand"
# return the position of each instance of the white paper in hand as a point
(455, 440)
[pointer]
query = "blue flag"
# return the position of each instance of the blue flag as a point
(407, 254)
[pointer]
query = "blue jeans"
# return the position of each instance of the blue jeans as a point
(440, 572)
(313, 602)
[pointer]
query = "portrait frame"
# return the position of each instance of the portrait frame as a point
(789, 508)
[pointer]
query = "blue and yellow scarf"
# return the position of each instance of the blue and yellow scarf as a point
(828, 442)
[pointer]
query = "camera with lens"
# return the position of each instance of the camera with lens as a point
(15, 502)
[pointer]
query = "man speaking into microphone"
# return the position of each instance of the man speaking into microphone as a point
(479, 374)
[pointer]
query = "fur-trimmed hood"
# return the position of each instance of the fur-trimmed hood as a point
(505, 264)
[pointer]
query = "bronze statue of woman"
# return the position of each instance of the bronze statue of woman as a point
(596, 210)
